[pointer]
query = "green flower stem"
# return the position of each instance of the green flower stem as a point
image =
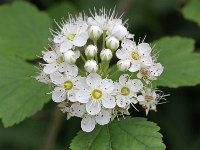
(104, 39)
(82, 57)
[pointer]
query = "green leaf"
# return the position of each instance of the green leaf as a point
(23, 30)
(180, 61)
(191, 11)
(21, 95)
(126, 134)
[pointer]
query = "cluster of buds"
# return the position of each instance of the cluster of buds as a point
(79, 70)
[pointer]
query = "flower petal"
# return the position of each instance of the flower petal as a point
(135, 66)
(87, 124)
(144, 49)
(103, 117)
(65, 46)
(146, 61)
(59, 39)
(123, 54)
(140, 98)
(71, 70)
(123, 79)
(121, 101)
(50, 68)
(57, 78)
(107, 85)
(93, 107)
(71, 95)
(156, 69)
(82, 96)
(80, 40)
(128, 44)
(94, 80)
(50, 56)
(77, 109)
(108, 101)
(137, 85)
(59, 95)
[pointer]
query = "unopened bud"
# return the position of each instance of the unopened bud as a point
(119, 32)
(106, 55)
(91, 51)
(123, 65)
(95, 32)
(91, 66)
(112, 43)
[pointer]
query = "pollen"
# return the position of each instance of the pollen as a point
(125, 91)
(71, 36)
(68, 85)
(135, 55)
(97, 94)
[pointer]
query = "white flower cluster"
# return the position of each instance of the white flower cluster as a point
(77, 66)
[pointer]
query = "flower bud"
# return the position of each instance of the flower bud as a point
(106, 55)
(91, 66)
(95, 32)
(112, 43)
(123, 65)
(119, 32)
(91, 51)
(70, 57)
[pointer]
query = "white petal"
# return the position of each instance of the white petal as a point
(146, 61)
(59, 95)
(82, 96)
(50, 56)
(71, 70)
(57, 78)
(81, 82)
(59, 39)
(128, 44)
(121, 101)
(65, 46)
(135, 66)
(71, 95)
(156, 69)
(108, 101)
(144, 49)
(123, 54)
(123, 79)
(77, 109)
(80, 40)
(140, 98)
(103, 117)
(62, 67)
(93, 107)
(107, 85)
(43, 77)
(88, 124)
(50, 68)
(77, 54)
(94, 80)
(137, 85)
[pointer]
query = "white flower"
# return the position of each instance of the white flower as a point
(72, 109)
(106, 55)
(74, 33)
(71, 56)
(106, 20)
(55, 60)
(91, 51)
(96, 93)
(43, 77)
(89, 121)
(140, 55)
(66, 85)
(95, 32)
(150, 73)
(149, 99)
(124, 65)
(119, 32)
(112, 43)
(91, 66)
(126, 90)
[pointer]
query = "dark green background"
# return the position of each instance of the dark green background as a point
(179, 119)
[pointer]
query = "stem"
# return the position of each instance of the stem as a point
(82, 57)
(104, 39)
(52, 131)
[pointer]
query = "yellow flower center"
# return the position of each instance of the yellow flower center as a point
(71, 36)
(60, 59)
(135, 55)
(97, 94)
(68, 85)
(125, 91)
